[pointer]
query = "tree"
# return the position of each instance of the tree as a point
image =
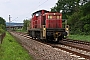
(2, 25)
(2, 21)
(77, 12)
(67, 6)
(80, 21)
(26, 24)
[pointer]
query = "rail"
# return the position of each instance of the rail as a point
(71, 48)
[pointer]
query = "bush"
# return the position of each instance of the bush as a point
(2, 31)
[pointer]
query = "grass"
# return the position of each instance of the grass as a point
(20, 30)
(80, 37)
(11, 50)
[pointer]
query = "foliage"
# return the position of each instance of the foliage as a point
(77, 12)
(67, 7)
(2, 25)
(2, 21)
(11, 50)
(80, 21)
(1, 31)
(26, 24)
(80, 37)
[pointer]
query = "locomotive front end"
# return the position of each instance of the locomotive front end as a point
(54, 29)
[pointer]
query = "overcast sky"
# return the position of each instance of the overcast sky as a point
(22, 9)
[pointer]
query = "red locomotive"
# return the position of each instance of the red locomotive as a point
(47, 25)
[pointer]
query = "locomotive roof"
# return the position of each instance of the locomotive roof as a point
(39, 11)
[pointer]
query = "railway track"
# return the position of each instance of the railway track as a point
(76, 51)
(73, 49)
(68, 46)
(77, 41)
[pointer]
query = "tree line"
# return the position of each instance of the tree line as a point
(2, 25)
(77, 13)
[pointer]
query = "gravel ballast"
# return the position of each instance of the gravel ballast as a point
(42, 51)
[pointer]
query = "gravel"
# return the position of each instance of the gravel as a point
(42, 51)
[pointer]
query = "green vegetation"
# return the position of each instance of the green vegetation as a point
(80, 21)
(11, 50)
(26, 24)
(1, 30)
(20, 30)
(2, 25)
(2, 21)
(77, 13)
(80, 37)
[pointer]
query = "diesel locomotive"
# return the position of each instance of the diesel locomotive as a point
(47, 26)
